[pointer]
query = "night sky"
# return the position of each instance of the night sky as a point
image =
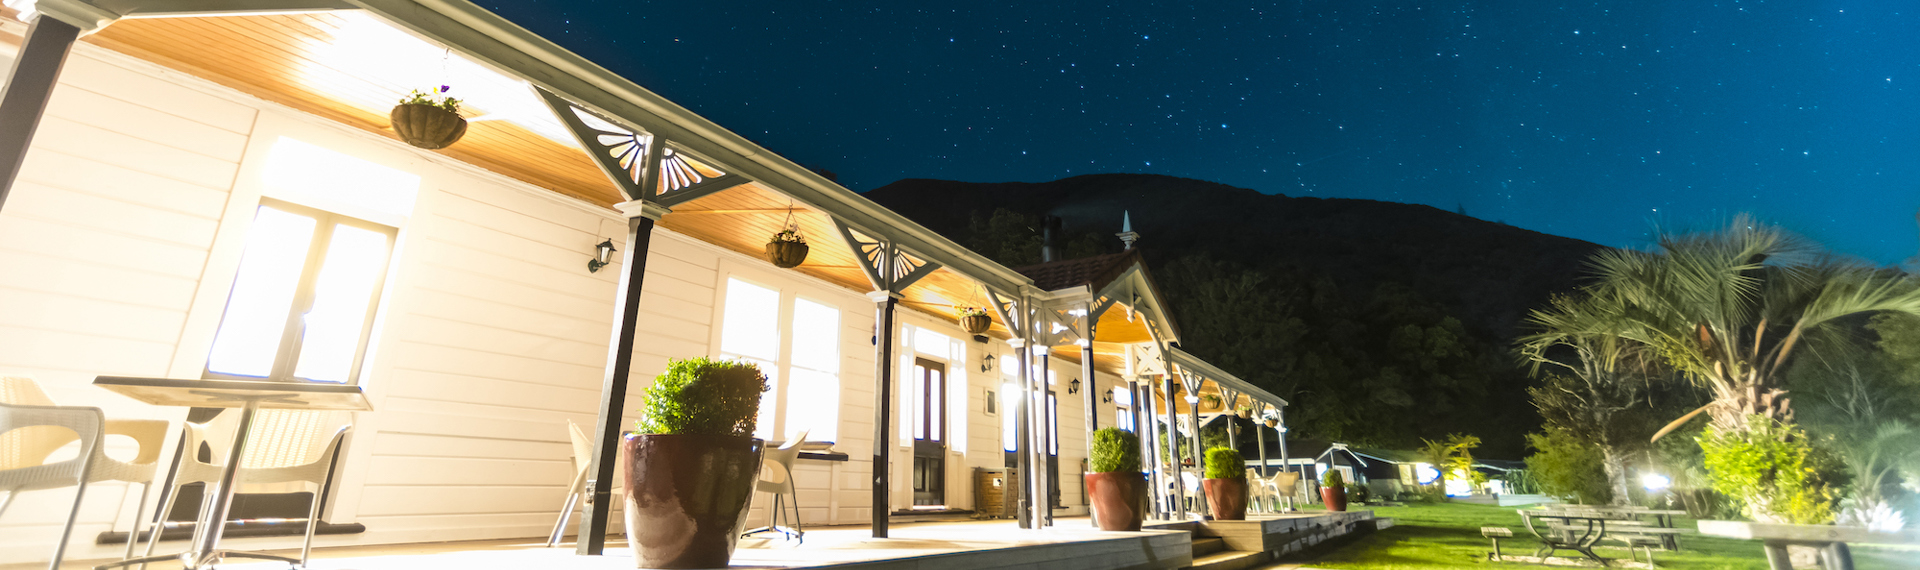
(1590, 120)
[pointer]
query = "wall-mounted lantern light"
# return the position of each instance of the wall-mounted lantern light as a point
(602, 255)
(986, 363)
(1073, 387)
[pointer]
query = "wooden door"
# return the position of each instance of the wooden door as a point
(929, 417)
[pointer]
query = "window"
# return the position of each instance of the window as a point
(304, 297)
(1123, 409)
(804, 379)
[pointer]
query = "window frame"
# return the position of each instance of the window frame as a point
(286, 355)
(781, 376)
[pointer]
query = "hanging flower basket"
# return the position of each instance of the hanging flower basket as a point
(975, 320)
(1273, 422)
(787, 249)
(428, 120)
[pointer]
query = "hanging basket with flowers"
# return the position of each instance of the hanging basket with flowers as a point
(787, 249)
(429, 120)
(975, 320)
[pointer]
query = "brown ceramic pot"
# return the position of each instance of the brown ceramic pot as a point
(427, 126)
(786, 254)
(1227, 498)
(1334, 497)
(1119, 499)
(687, 497)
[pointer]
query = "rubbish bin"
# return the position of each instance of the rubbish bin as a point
(990, 488)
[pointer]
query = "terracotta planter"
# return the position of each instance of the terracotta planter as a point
(1334, 497)
(786, 254)
(1119, 499)
(976, 324)
(687, 497)
(1227, 498)
(427, 126)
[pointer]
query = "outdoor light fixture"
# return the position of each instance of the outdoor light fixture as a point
(986, 363)
(602, 255)
(1073, 387)
(1107, 397)
(1655, 481)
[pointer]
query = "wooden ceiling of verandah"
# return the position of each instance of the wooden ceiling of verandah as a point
(293, 60)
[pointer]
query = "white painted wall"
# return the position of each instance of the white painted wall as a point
(120, 241)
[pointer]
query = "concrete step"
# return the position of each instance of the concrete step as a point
(1206, 546)
(1229, 560)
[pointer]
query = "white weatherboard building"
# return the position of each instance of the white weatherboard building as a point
(211, 189)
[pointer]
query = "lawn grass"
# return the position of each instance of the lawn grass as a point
(1447, 535)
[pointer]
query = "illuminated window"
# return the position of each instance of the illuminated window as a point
(303, 300)
(804, 379)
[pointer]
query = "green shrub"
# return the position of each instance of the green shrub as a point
(703, 396)
(1333, 478)
(1775, 472)
(1359, 493)
(1225, 463)
(1569, 468)
(1115, 451)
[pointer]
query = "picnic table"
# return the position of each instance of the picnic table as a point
(1630, 516)
(1566, 530)
(1832, 540)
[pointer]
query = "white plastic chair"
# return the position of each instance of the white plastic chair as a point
(1260, 491)
(280, 449)
(1285, 485)
(577, 494)
(1190, 489)
(776, 477)
(32, 428)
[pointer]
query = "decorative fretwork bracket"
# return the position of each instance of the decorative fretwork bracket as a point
(628, 154)
(888, 267)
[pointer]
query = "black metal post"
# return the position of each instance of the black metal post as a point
(613, 391)
(882, 409)
(29, 86)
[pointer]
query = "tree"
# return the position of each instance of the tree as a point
(1568, 467)
(1601, 388)
(1729, 308)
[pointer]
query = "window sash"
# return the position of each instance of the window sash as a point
(320, 242)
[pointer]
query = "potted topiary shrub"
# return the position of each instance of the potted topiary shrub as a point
(787, 249)
(429, 120)
(1117, 487)
(691, 463)
(1226, 484)
(1333, 490)
(975, 320)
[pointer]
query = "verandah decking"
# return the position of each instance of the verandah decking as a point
(1070, 545)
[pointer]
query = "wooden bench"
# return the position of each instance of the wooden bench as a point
(1832, 540)
(1496, 533)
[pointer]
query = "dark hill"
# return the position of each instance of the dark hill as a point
(1384, 323)
(1489, 274)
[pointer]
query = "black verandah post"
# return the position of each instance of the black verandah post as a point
(613, 392)
(882, 408)
(29, 85)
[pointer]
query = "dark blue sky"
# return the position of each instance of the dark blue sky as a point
(1589, 120)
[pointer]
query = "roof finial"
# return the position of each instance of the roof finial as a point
(1127, 235)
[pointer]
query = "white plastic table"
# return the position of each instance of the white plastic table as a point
(248, 396)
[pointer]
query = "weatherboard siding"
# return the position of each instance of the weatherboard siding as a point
(118, 247)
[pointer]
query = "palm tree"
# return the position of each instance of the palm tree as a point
(1729, 308)
(1598, 387)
